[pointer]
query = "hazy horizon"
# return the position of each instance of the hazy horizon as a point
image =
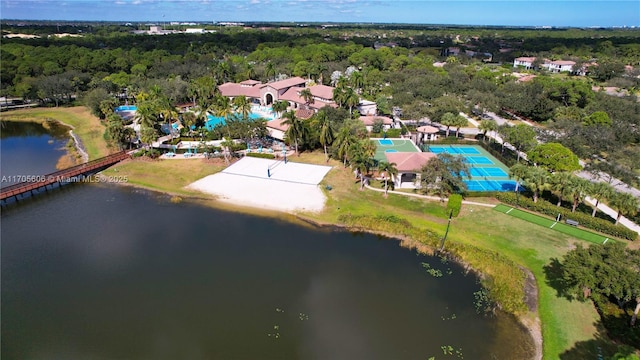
(514, 13)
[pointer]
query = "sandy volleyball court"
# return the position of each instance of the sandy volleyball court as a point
(290, 187)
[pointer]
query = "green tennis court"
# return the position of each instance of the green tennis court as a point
(552, 224)
(392, 145)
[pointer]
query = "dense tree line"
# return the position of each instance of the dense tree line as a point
(107, 61)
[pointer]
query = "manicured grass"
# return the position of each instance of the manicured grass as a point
(552, 224)
(86, 126)
(165, 175)
(564, 322)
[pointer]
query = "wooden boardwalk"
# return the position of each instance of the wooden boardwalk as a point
(71, 174)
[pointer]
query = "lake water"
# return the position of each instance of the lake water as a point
(106, 272)
(29, 149)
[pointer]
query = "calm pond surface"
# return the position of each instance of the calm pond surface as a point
(106, 272)
(29, 149)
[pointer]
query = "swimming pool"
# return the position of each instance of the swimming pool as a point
(126, 108)
(212, 121)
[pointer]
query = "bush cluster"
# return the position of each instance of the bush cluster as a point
(454, 204)
(152, 153)
(585, 220)
(261, 155)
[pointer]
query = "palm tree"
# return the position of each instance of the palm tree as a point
(558, 183)
(306, 95)
(359, 160)
(600, 190)
(351, 99)
(297, 128)
(222, 107)
(279, 107)
(577, 189)
(323, 123)
(459, 122)
(270, 70)
(338, 96)
(242, 105)
(518, 172)
(146, 114)
(251, 71)
(448, 119)
(390, 170)
(343, 142)
(357, 80)
(625, 203)
(536, 180)
(486, 126)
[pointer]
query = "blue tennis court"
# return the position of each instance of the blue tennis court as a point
(480, 160)
(385, 142)
(488, 171)
(490, 185)
(453, 150)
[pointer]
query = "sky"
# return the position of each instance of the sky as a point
(573, 13)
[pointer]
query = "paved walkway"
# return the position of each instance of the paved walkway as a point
(434, 198)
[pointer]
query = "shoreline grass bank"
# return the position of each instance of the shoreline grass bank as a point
(85, 126)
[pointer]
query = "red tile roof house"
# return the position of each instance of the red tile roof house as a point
(387, 123)
(408, 165)
(322, 96)
(287, 90)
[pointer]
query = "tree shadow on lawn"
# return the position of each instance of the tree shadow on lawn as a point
(554, 274)
(613, 324)
(601, 347)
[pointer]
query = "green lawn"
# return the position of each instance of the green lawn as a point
(552, 224)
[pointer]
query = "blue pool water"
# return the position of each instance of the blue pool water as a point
(215, 120)
(126, 108)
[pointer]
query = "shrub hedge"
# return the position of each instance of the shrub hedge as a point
(585, 220)
(261, 155)
(454, 204)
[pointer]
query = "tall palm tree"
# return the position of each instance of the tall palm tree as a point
(558, 183)
(357, 80)
(306, 95)
(599, 191)
(486, 126)
(518, 172)
(343, 142)
(242, 105)
(391, 171)
(625, 203)
(146, 114)
(279, 107)
(577, 189)
(537, 180)
(359, 161)
(351, 99)
(338, 96)
(297, 128)
(448, 119)
(459, 122)
(323, 123)
(223, 107)
(270, 70)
